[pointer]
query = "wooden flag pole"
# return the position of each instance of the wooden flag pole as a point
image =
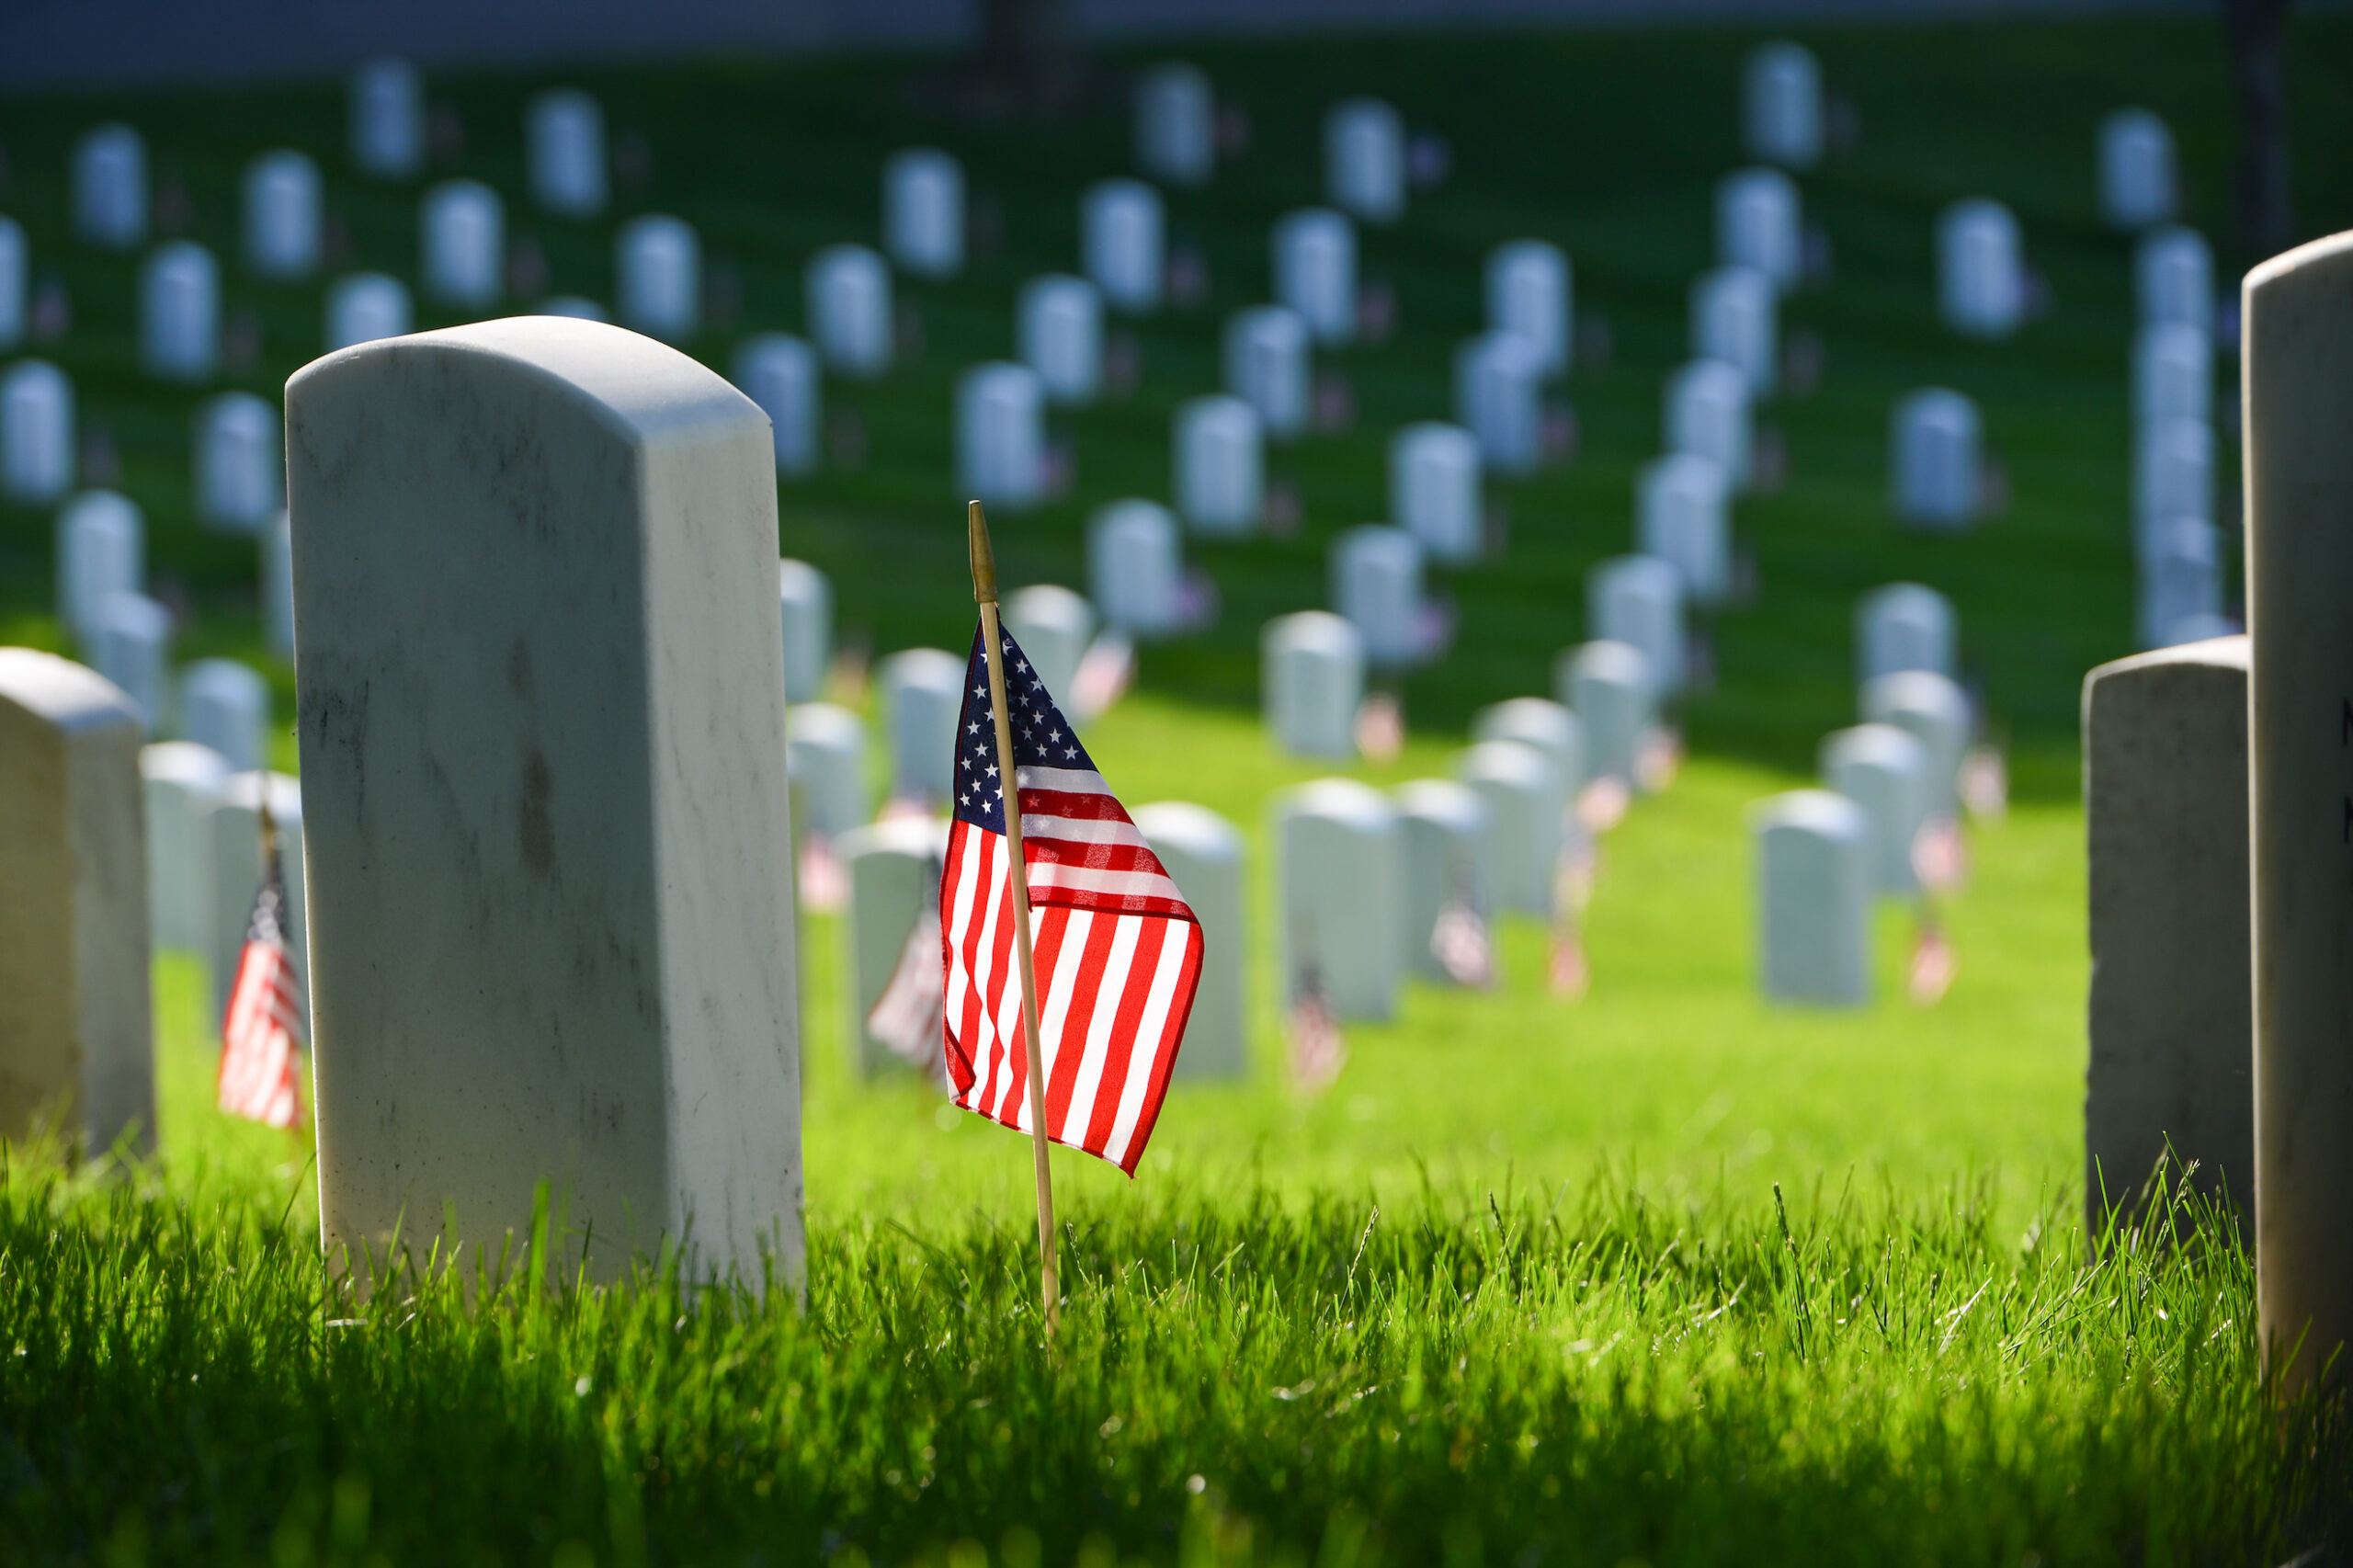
(985, 595)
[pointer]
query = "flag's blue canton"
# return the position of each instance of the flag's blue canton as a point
(1041, 736)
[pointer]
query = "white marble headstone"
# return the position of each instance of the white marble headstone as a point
(1315, 271)
(1122, 243)
(779, 371)
(657, 266)
(1813, 876)
(224, 706)
(563, 139)
(181, 781)
(849, 309)
(1311, 679)
(1782, 106)
(1530, 291)
(2136, 179)
(2173, 275)
(364, 306)
(1706, 413)
(1884, 770)
(2173, 476)
(1001, 435)
(2172, 373)
(101, 550)
(1444, 826)
(1220, 465)
(1527, 798)
(1758, 225)
(1054, 626)
(1933, 460)
(1609, 687)
(1176, 128)
(923, 211)
(894, 870)
(1682, 514)
(387, 106)
(922, 691)
(1266, 362)
(2180, 588)
(1981, 273)
(1340, 890)
(1061, 331)
(1136, 567)
(824, 748)
(1903, 626)
(37, 456)
(231, 828)
(111, 188)
(179, 312)
(1498, 397)
(15, 282)
(1364, 160)
(238, 470)
(1377, 587)
(1937, 713)
(130, 643)
(1735, 319)
(1434, 490)
(1638, 600)
(1205, 858)
(281, 214)
(1551, 727)
(806, 603)
(463, 229)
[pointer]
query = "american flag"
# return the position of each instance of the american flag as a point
(263, 1030)
(1118, 953)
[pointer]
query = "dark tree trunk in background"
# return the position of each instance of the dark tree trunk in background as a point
(1029, 49)
(2266, 212)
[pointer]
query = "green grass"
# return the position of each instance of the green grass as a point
(1664, 1276)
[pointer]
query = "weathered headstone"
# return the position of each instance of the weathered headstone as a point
(2173, 476)
(1377, 587)
(1498, 397)
(1205, 857)
(1706, 413)
(37, 458)
(1813, 875)
(2172, 276)
(849, 309)
(387, 106)
(15, 282)
(101, 550)
(1610, 688)
(923, 211)
(1884, 770)
(563, 140)
(1758, 226)
(363, 307)
(238, 468)
(1933, 460)
(1266, 366)
(281, 214)
(1053, 627)
(1001, 435)
(601, 841)
(276, 574)
(111, 188)
(1220, 464)
(657, 266)
(1433, 489)
(779, 371)
(1551, 727)
(179, 312)
(181, 781)
(1981, 275)
(1364, 160)
(1530, 291)
(1315, 271)
(1136, 567)
(1527, 798)
(1311, 679)
(224, 707)
(1937, 713)
(805, 600)
(1638, 600)
(1122, 243)
(76, 1030)
(463, 225)
(130, 643)
(1340, 889)
(2136, 179)
(922, 691)
(1903, 626)
(1444, 828)
(1734, 320)
(1176, 124)
(1060, 329)
(2172, 992)
(1682, 517)
(824, 748)
(2180, 595)
(2173, 374)
(1782, 106)
(894, 870)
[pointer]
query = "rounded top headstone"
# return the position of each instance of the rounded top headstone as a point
(1824, 814)
(1347, 801)
(69, 696)
(1200, 830)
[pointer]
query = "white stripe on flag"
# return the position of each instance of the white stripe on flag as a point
(1069, 780)
(1054, 878)
(1176, 938)
(1082, 830)
(1109, 992)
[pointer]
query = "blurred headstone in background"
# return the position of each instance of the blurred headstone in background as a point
(111, 188)
(2136, 172)
(1813, 875)
(1060, 330)
(657, 271)
(1434, 491)
(1122, 243)
(1903, 626)
(464, 229)
(1682, 517)
(1530, 292)
(779, 371)
(1311, 674)
(1884, 770)
(1266, 364)
(1364, 160)
(240, 476)
(923, 212)
(1782, 106)
(180, 313)
(1315, 271)
(1205, 858)
(224, 706)
(36, 450)
(282, 215)
(564, 141)
(387, 123)
(1638, 600)
(101, 550)
(806, 605)
(1339, 903)
(1935, 460)
(1175, 124)
(849, 309)
(1981, 270)
(1220, 465)
(1001, 435)
(363, 307)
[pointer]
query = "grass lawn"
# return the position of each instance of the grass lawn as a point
(1664, 1276)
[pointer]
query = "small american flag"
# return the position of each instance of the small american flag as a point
(262, 1030)
(1118, 953)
